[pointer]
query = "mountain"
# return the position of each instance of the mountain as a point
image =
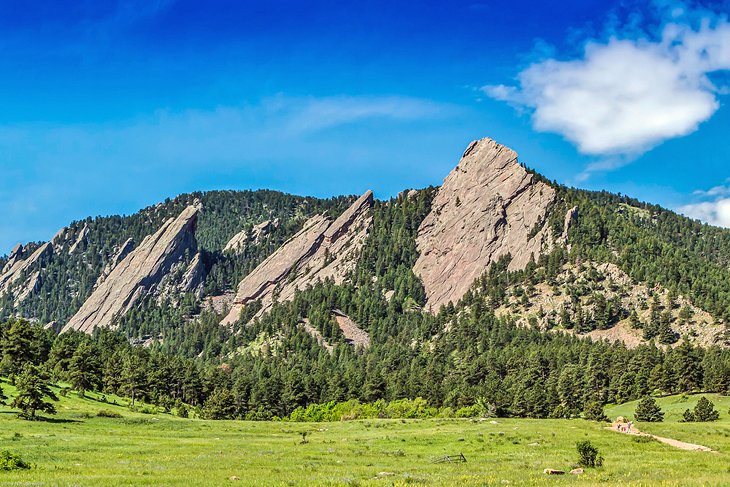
(546, 256)
(497, 293)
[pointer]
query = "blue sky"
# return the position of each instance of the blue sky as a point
(107, 107)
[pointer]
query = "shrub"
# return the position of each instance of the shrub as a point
(12, 461)
(688, 416)
(649, 411)
(182, 411)
(588, 455)
(105, 413)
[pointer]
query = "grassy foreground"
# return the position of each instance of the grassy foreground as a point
(77, 448)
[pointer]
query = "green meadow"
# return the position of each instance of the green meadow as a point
(76, 447)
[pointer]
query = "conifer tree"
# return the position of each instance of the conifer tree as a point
(84, 369)
(648, 410)
(31, 392)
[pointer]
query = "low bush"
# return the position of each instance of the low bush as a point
(12, 461)
(588, 455)
(105, 413)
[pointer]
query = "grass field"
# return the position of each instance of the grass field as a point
(78, 448)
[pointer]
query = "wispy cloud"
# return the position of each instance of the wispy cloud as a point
(631, 92)
(290, 143)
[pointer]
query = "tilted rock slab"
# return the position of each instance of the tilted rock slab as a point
(487, 207)
(321, 249)
(258, 232)
(138, 273)
(17, 266)
(353, 333)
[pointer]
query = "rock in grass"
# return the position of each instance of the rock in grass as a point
(576, 471)
(552, 471)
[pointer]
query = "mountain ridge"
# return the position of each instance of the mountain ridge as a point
(489, 207)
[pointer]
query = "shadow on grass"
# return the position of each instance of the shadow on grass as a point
(41, 419)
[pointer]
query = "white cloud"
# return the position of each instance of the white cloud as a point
(713, 212)
(627, 95)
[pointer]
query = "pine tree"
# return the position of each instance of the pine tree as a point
(648, 410)
(84, 370)
(17, 347)
(705, 411)
(133, 377)
(32, 389)
(594, 412)
(220, 405)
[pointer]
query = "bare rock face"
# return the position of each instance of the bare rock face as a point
(79, 240)
(570, 217)
(17, 266)
(194, 275)
(321, 249)
(487, 207)
(126, 248)
(258, 232)
(15, 255)
(138, 273)
(353, 333)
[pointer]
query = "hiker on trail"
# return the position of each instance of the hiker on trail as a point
(628, 429)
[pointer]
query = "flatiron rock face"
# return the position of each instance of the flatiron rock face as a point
(487, 207)
(258, 233)
(138, 273)
(321, 249)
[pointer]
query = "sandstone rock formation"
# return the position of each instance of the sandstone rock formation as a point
(487, 207)
(321, 249)
(19, 267)
(317, 336)
(79, 240)
(15, 255)
(138, 273)
(124, 251)
(194, 276)
(570, 217)
(257, 233)
(353, 333)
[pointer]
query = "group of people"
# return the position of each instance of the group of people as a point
(623, 426)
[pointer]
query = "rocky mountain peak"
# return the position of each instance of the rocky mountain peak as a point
(487, 207)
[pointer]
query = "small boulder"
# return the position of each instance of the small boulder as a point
(576, 471)
(552, 471)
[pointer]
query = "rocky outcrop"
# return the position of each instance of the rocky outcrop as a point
(321, 341)
(353, 334)
(258, 232)
(194, 276)
(19, 267)
(138, 273)
(15, 255)
(79, 239)
(488, 206)
(322, 249)
(570, 216)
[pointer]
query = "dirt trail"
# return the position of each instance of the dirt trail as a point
(682, 445)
